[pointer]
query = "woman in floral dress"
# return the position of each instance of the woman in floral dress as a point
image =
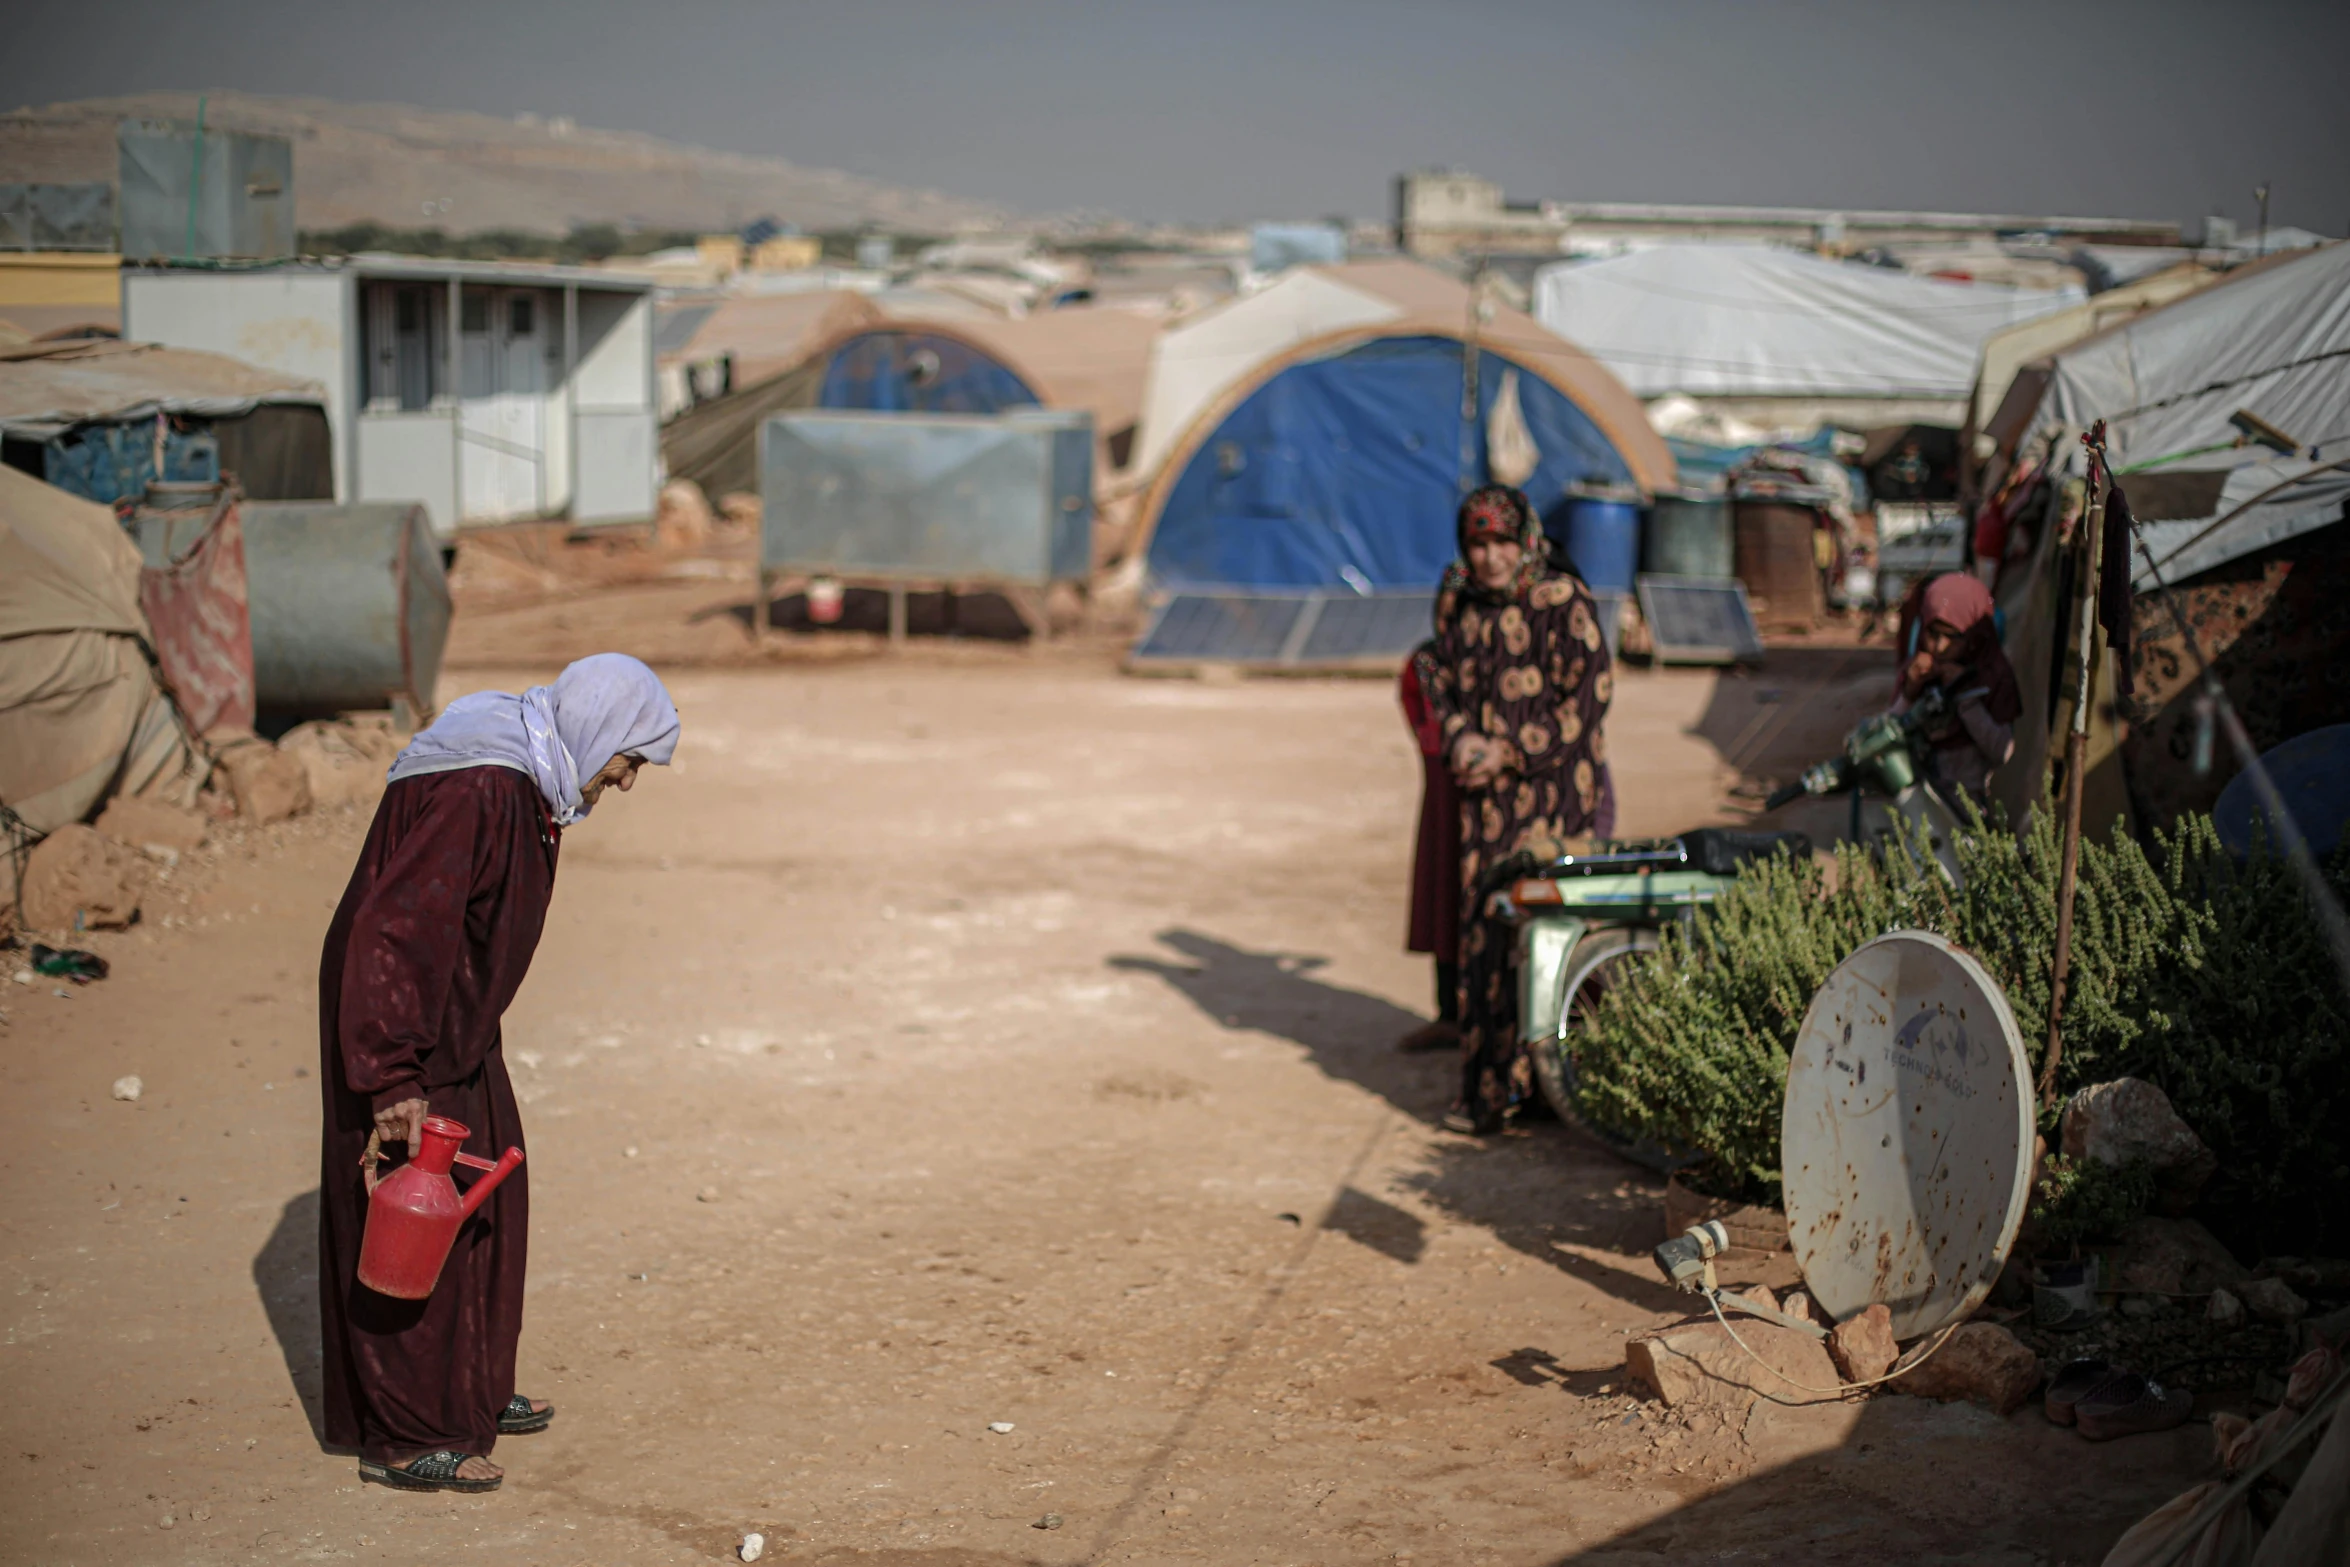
(1522, 679)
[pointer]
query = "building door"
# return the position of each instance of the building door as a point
(503, 411)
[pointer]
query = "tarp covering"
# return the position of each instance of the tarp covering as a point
(1091, 360)
(2272, 338)
(1202, 368)
(1346, 470)
(196, 602)
(765, 334)
(1311, 435)
(80, 714)
(46, 388)
(1750, 321)
(2011, 348)
(907, 370)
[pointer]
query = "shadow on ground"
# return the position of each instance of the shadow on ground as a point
(285, 1275)
(1537, 1191)
(986, 617)
(1907, 1480)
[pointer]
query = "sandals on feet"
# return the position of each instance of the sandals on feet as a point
(431, 1472)
(519, 1419)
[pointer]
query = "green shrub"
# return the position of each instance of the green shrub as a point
(2083, 1200)
(2204, 975)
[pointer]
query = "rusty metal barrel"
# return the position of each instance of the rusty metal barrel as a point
(350, 605)
(1777, 561)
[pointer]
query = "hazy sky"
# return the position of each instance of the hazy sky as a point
(1209, 110)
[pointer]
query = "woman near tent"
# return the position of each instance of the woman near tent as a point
(430, 943)
(1949, 639)
(1435, 926)
(1522, 681)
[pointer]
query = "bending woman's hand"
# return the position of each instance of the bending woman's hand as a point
(403, 1123)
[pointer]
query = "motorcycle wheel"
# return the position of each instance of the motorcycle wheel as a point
(1591, 974)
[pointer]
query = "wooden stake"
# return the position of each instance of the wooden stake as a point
(2076, 757)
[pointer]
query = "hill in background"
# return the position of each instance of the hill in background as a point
(412, 168)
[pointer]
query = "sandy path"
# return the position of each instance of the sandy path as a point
(1027, 1031)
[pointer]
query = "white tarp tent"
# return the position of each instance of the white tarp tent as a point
(2272, 339)
(1751, 321)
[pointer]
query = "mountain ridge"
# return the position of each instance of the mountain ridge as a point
(463, 170)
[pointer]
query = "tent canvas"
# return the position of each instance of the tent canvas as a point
(1312, 435)
(1751, 321)
(1089, 360)
(80, 714)
(2273, 338)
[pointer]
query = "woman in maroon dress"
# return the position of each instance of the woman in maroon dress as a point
(1435, 925)
(1522, 681)
(430, 943)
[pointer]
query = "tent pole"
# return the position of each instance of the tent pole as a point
(2076, 754)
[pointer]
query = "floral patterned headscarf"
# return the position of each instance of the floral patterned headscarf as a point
(1497, 511)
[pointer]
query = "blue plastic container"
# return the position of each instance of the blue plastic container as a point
(1603, 534)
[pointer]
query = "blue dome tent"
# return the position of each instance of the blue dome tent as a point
(1312, 436)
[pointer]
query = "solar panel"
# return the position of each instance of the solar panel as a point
(1699, 620)
(1359, 629)
(1203, 628)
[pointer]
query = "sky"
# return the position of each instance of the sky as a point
(1213, 111)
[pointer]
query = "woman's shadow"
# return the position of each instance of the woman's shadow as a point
(285, 1274)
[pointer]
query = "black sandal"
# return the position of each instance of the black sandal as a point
(519, 1419)
(431, 1472)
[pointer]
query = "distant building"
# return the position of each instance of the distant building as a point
(489, 391)
(1442, 213)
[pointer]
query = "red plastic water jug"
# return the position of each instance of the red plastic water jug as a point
(413, 1213)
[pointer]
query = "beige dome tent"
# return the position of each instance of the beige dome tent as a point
(81, 715)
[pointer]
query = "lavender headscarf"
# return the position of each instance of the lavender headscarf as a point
(601, 707)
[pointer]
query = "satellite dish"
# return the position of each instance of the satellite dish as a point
(2312, 772)
(1906, 1140)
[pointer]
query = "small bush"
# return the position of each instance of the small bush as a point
(2202, 974)
(2083, 1200)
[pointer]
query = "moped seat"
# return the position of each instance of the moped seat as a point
(1720, 851)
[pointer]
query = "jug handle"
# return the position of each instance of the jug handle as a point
(374, 1156)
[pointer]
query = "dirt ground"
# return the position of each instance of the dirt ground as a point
(972, 1037)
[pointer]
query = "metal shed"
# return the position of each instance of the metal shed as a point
(488, 392)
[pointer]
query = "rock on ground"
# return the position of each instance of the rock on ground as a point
(1698, 1363)
(684, 519)
(1862, 1345)
(146, 824)
(344, 761)
(2175, 1257)
(2272, 1300)
(267, 784)
(2131, 1119)
(79, 879)
(1982, 1361)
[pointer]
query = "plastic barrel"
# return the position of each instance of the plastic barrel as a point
(1689, 536)
(1603, 535)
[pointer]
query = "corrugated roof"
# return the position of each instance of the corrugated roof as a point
(49, 387)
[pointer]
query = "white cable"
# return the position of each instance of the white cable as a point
(1714, 1299)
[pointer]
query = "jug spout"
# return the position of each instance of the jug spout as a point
(489, 1182)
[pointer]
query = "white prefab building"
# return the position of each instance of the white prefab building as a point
(489, 391)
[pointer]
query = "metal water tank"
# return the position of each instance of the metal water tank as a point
(1689, 536)
(350, 605)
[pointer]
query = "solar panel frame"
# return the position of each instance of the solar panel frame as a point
(1734, 638)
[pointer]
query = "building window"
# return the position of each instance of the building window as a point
(401, 333)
